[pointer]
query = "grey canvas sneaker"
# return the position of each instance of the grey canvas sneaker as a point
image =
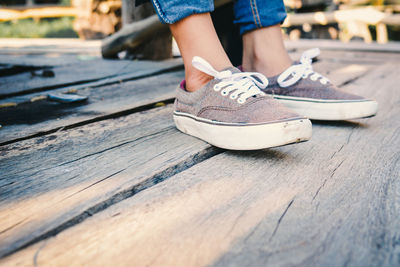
(231, 112)
(312, 95)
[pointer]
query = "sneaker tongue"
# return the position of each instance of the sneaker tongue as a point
(273, 80)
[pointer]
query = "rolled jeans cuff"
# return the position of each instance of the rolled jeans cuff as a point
(254, 14)
(171, 11)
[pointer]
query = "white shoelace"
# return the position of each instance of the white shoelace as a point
(302, 70)
(242, 85)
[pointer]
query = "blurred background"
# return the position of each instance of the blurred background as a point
(367, 20)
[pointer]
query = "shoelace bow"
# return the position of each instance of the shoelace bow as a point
(242, 84)
(302, 70)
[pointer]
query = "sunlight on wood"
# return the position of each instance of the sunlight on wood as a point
(165, 231)
(353, 68)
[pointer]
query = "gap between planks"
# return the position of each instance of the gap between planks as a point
(82, 75)
(104, 102)
(46, 200)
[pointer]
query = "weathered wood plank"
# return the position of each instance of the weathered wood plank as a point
(362, 57)
(352, 57)
(155, 47)
(138, 33)
(8, 69)
(331, 201)
(346, 205)
(51, 182)
(391, 47)
(341, 73)
(31, 97)
(44, 60)
(40, 117)
(47, 48)
(86, 71)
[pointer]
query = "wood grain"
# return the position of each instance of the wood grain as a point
(27, 120)
(83, 72)
(392, 47)
(349, 56)
(26, 98)
(331, 201)
(47, 51)
(52, 182)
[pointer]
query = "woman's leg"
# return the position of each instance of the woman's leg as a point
(263, 51)
(194, 32)
(294, 86)
(196, 36)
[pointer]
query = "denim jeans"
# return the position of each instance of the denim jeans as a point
(249, 14)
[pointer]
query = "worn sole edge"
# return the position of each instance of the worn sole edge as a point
(331, 110)
(246, 137)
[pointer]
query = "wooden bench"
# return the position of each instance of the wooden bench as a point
(111, 181)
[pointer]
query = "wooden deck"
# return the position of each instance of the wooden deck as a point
(111, 182)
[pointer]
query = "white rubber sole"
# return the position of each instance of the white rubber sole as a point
(330, 110)
(246, 137)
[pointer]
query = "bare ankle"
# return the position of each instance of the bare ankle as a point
(265, 65)
(196, 36)
(263, 51)
(196, 79)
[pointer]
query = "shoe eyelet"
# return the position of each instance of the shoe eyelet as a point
(241, 101)
(233, 96)
(224, 93)
(312, 78)
(216, 88)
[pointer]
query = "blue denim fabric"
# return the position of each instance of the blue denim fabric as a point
(249, 14)
(171, 11)
(253, 14)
